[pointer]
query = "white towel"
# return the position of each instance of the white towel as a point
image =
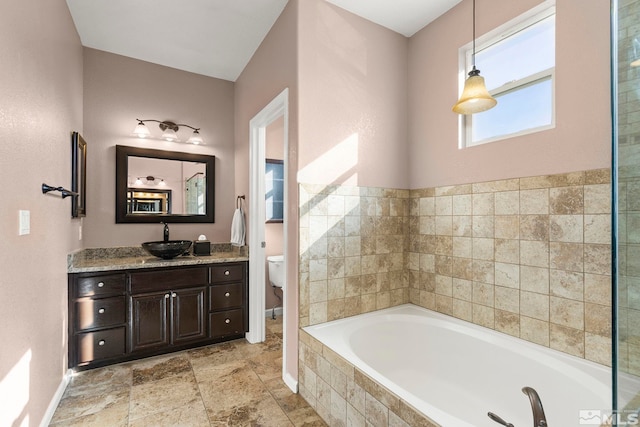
(237, 228)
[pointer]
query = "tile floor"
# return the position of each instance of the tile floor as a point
(227, 384)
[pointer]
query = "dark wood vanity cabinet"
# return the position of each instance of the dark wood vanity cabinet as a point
(118, 316)
(228, 304)
(97, 317)
(168, 307)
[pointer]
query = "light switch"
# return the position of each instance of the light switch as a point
(24, 222)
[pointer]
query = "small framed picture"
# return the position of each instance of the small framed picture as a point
(78, 175)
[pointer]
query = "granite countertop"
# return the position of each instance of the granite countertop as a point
(135, 257)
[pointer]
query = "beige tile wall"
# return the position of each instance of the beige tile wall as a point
(352, 245)
(529, 257)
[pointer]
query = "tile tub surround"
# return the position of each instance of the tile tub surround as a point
(529, 257)
(343, 395)
(352, 251)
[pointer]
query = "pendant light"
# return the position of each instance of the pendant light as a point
(475, 97)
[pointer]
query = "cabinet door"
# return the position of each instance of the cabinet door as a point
(149, 320)
(189, 323)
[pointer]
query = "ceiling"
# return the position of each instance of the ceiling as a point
(216, 38)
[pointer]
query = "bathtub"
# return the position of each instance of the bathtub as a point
(454, 372)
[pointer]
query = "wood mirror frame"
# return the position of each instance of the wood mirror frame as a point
(122, 172)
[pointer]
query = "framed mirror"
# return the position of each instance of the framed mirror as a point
(78, 175)
(167, 186)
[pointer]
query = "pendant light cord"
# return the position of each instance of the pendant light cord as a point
(473, 56)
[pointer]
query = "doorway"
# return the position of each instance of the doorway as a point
(276, 109)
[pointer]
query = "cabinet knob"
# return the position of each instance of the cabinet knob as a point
(227, 272)
(100, 284)
(173, 295)
(101, 310)
(102, 342)
(226, 294)
(227, 321)
(166, 296)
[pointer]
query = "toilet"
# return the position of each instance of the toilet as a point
(276, 271)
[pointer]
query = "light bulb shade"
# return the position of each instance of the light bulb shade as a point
(195, 138)
(141, 131)
(475, 97)
(170, 135)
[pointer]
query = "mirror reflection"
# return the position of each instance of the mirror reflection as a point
(162, 186)
(157, 185)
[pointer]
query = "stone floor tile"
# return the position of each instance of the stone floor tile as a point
(158, 368)
(190, 415)
(168, 393)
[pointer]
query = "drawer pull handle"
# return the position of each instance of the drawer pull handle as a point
(227, 294)
(227, 321)
(102, 342)
(227, 272)
(101, 311)
(100, 284)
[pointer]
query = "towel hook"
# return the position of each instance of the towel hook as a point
(239, 202)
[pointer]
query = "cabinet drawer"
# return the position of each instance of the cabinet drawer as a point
(225, 296)
(225, 323)
(227, 273)
(100, 344)
(161, 280)
(99, 313)
(103, 285)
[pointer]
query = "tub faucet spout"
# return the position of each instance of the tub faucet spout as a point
(539, 419)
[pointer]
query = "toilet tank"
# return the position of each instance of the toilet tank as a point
(276, 270)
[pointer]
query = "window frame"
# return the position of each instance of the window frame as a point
(508, 29)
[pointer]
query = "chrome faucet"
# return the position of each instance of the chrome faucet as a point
(166, 231)
(539, 419)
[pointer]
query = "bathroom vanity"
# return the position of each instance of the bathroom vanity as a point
(132, 305)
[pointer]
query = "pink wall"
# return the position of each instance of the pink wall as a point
(41, 104)
(117, 90)
(353, 99)
(581, 139)
(273, 68)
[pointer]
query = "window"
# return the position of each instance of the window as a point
(274, 190)
(517, 62)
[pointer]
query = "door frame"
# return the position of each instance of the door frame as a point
(278, 107)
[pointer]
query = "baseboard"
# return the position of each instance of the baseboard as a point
(291, 382)
(267, 313)
(55, 400)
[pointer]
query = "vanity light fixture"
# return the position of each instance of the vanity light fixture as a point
(475, 97)
(150, 180)
(169, 130)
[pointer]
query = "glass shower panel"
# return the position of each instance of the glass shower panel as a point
(196, 190)
(626, 185)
